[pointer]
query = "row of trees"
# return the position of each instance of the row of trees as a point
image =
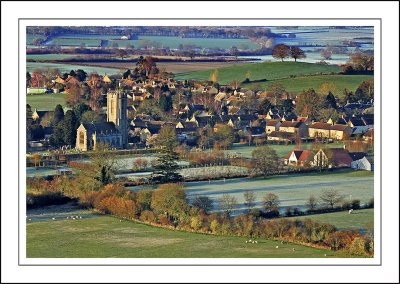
(282, 51)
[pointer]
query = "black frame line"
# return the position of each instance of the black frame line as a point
(215, 19)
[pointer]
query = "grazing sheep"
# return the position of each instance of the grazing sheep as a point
(120, 220)
(80, 217)
(256, 242)
(67, 217)
(293, 249)
(350, 211)
(53, 218)
(325, 255)
(29, 219)
(73, 218)
(250, 240)
(246, 242)
(277, 247)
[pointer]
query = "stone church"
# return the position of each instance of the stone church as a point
(114, 132)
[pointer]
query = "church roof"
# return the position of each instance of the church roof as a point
(100, 127)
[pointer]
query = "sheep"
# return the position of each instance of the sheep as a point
(253, 242)
(293, 249)
(73, 218)
(350, 211)
(256, 242)
(53, 218)
(29, 219)
(67, 217)
(120, 220)
(246, 242)
(325, 255)
(80, 217)
(277, 247)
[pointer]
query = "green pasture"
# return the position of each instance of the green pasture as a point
(298, 84)
(362, 219)
(46, 101)
(107, 237)
(265, 70)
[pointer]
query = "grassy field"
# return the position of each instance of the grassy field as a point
(47, 101)
(298, 84)
(244, 150)
(358, 220)
(106, 237)
(293, 190)
(265, 70)
(66, 68)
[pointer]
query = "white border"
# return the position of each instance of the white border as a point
(389, 269)
(249, 261)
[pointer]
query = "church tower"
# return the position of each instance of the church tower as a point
(116, 112)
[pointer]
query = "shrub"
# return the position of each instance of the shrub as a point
(214, 226)
(87, 199)
(288, 212)
(45, 199)
(358, 246)
(147, 216)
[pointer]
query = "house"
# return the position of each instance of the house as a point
(361, 161)
(277, 136)
(299, 158)
(255, 131)
(340, 132)
(272, 125)
(297, 127)
(332, 157)
(304, 119)
(319, 130)
(357, 125)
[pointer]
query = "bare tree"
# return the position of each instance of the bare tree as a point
(311, 203)
(203, 202)
(228, 203)
(331, 197)
(249, 199)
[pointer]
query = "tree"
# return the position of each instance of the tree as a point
(28, 79)
(147, 64)
(165, 102)
(90, 116)
(330, 101)
(121, 53)
(103, 164)
(228, 203)
(58, 115)
(311, 203)
(362, 61)
(69, 125)
(276, 90)
(206, 137)
(214, 76)
(166, 167)
(265, 161)
(224, 136)
(265, 106)
(365, 91)
(203, 202)
(170, 199)
(249, 199)
(281, 51)
(234, 52)
(81, 75)
(308, 103)
(331, 197)
(144, 197)
(271, 204)
(297, 53)
(326, 54)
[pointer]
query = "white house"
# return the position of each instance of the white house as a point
(362, 162)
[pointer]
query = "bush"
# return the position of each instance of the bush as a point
(288, 212)
(147, 216)
(45, 199)
(358, 246)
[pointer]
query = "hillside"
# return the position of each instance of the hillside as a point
(265, 70)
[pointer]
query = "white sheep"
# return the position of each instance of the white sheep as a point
(256, 242)
(53, 218)
(73, 218)
(29, 219)
(120, 220)
(293, 249)
(277, 247)
(246, 242)
(350, 211)
(67, 217)
(325, 254)
(80, 217)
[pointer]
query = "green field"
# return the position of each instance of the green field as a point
(359, 220)
(265, 70)
(298, 84)
(282, 150)
(47, 101)
(293, 190)
(107, 237)
(52, 56)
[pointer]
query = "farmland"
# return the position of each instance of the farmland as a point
(265, 70)
(46, 101)
(298, 84)
(105, 236)
(359, 220)
(292, 190)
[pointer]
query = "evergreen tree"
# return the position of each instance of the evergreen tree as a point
(69, 126)
(57, 138)
(58, 114)
(330, 101)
